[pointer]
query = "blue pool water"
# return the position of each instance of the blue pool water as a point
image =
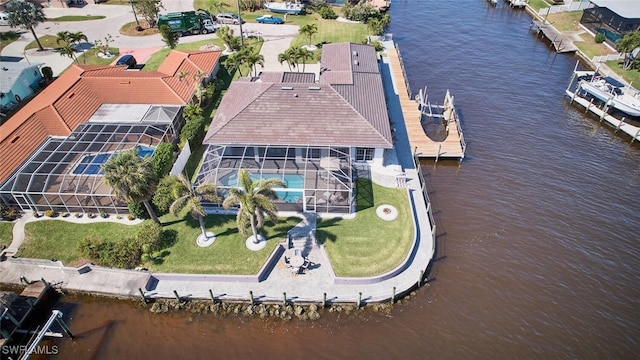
(91, 164)
(292, 181)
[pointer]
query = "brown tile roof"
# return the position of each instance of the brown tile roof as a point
(351, 112)
(72, 98)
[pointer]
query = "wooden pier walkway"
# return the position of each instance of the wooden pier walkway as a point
(560, 42)
(421, 144)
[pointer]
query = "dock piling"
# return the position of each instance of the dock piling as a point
(144, 298)
(251, 297)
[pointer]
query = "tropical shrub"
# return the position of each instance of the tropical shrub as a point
(149, 234)
(599, 38)
(193, 132)
(165, 194)
(327, 12)
(138, 210)
(163, 159)
(49, 213)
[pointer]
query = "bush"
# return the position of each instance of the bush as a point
(104, 215)
(165, 194)
(49, 213)
(600, 38)
(191, 112)
(362, 11)
(163, 159)
(193, 132)
(149, 235)
(125, 253)
(90, 247)
(138, 210)
(327, 12)
(9, 213)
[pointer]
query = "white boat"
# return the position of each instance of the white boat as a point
(613, 95)
(284, 8)
(493, 2)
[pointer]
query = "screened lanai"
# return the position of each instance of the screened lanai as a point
(317, 178)
(64, 174)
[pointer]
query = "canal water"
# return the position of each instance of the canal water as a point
(538, 227)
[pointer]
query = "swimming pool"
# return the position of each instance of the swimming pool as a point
(91, 164)
(294, 183)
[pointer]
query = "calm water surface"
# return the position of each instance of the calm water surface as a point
(538, 246)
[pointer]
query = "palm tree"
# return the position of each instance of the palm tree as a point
(225, 34)
(191, 198)
(75, 38)
(234, 62)
(217, 6)
(304, 55)
(289, 57)
(26, 15)
(252, 58)
(132, 178)
(68, 50)
(308, 31)
(255, 199)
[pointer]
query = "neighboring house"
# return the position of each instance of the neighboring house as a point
(316, 136)
(58, 141)
(613, 18)
(18, 82)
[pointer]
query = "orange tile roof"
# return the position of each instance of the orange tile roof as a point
(72, 98)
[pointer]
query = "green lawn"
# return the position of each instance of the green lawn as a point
(565, 21)
(6, 229)
(47, 42)
(7, 38)
(228, 255)
(630, 76)
(57, 239)
(158, 57)
(368, 245)
(76, 18)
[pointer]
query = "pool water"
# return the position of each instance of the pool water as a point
(91, 164)
(292, 181)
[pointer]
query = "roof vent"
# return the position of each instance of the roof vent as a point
(286, 88)
(314, 87)
(5, 69)
(356, 62)
(13, 141)
(355, 53)
(125, 82)
(295, 95)
(70, 95)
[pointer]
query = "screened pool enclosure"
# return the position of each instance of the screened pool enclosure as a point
(317, 178)
(64, 174)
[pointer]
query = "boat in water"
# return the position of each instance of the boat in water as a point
(284, 8)
(612, 93)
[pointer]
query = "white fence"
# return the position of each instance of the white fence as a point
(572, 6)
(181, 162)
(605, 58)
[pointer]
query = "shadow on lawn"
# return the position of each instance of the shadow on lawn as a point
(322, 233)
(364, 195)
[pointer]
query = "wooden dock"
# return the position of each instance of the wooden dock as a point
(423, 147)
(560, 42)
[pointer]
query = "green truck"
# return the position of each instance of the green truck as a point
(189, 22)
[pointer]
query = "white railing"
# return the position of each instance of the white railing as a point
(605, 58)
(572, 6)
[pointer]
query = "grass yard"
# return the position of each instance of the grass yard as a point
(6, 233)
(565, 21)
(47, 42)
(228, 255)
(158, 57)
(57, 239)
(590, 48)
(7, 38)
(368, 245)
(631, 76)
(76, 18)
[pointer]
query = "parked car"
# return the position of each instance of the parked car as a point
(269, 19)
(127, 60)
(4, 19)
(228, 18)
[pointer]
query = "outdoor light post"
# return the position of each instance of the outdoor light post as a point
(240, 23)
